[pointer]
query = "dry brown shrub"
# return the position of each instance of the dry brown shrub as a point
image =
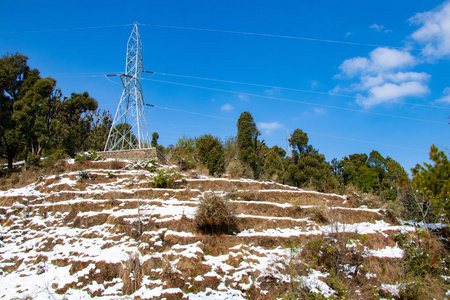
(215, 216)
(390, 270)
(132, 273)
(116, 165)
(321, 214)
(237, 170)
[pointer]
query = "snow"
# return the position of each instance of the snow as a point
(28, 238)
(392, 252)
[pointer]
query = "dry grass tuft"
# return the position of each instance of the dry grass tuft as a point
(214, 216)
(131, 274)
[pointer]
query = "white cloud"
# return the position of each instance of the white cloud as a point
(269, 127)
(354, 66)
(446, 96)
(348, 34)
(226, 107)
(382, 76)
(434, 32)
(380, 60)
(389, 91)
(390, 59)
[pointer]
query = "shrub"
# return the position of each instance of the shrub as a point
(236, 170)
(214, 216)
(162, 180)
(84, 175)
(86, 156)
(211, 154)
(115, 165)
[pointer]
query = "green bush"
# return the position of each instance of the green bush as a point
(162, 180)
(214, 216)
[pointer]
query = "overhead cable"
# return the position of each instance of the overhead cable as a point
(275, 36)
(290, 89)
(297, 101)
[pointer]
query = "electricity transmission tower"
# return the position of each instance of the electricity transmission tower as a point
(129, 128)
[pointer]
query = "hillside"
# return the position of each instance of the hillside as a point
(76, 234)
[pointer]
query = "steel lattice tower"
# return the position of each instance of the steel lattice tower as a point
(129, 128)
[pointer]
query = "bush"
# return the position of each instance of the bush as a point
(162, 180)
(214, 216)
(86, 156)
(211, 154)
(84, 175)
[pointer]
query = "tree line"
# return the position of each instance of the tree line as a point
(37, 121)
(424, 197)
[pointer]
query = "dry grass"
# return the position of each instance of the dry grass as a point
(215, 216)
(131, 274)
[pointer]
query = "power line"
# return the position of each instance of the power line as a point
(362, 141)
(276, 36)
(194, 113)
(296, 101)
(214, 30)
(308, 132)
(290, 89)
(64, 29)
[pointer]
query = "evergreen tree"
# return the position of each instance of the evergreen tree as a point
(155, 137)
(248, 144)
(76, 122)
(307, 167)
(211, 153)
(299, 141)
(100, 124)
(36, 116)
(14, 71)
(432, 181)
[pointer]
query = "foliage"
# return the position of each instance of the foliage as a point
(86, 156)
(307, 167)
(432, 181)
(371, 173)
(162, 180)
(155, 137)
(248, 144)
(299, 141)
(35, 119)
(184, 149)
(214, 216)
(210, 153)
(84, 175)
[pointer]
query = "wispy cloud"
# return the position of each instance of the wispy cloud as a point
(243, 97)
(272, 92)
(226, 107)
(445, 96)
(314, 84)
(379, 28)
(269, 127)
(348, 34)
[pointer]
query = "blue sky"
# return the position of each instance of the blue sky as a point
(389, 59)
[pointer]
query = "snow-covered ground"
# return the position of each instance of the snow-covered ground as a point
(67, 238)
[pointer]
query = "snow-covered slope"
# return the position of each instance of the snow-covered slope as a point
(65, 237)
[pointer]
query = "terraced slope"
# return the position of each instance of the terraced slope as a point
(113, 235)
